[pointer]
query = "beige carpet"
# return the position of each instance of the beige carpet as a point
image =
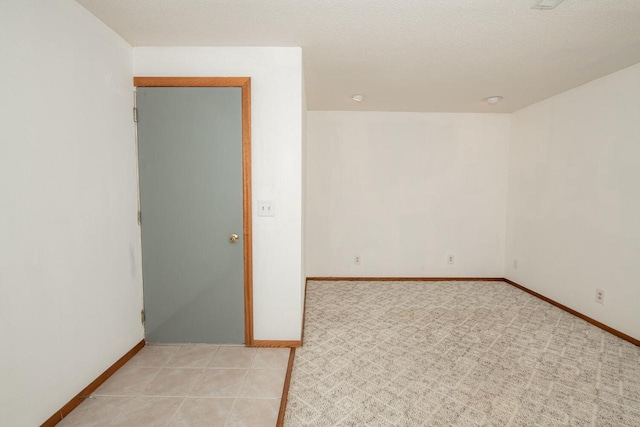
(455, 354)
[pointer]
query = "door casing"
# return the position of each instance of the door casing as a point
(245, 84)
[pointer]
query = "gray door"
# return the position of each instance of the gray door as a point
(190, 161)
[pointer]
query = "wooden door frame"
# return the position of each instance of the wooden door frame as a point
(245, 84)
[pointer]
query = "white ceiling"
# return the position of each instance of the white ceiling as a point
(405, 55)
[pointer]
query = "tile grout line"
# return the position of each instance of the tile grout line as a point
(233, 405)
(158, 373)
(244, 380)
(202, 371)
(165, 366)
(142, 396)
(175, 396)
(160, 369)
(177, 411)
(235, 400)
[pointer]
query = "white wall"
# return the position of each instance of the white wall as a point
(276, 103)
(574, 199)
(70, 281)
(404, 190)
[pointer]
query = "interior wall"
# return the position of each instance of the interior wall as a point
(405, 190)
(70, 255)
(276, 104)
(573, 200)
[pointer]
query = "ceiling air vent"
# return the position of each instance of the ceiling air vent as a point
(546, 4)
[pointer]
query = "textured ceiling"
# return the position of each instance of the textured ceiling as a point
(405, 55)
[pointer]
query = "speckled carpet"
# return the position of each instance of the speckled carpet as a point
(455, 354)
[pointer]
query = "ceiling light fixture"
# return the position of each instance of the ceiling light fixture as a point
(546, 4)
(492, 100)
(357, 98)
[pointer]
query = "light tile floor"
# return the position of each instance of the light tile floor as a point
(190, 385)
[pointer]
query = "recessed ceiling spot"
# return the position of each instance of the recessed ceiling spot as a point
(357, 98)
(492, 100)
(546, 4)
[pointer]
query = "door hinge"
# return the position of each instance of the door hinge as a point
(135, 114)
(139, 218)
(142, 317)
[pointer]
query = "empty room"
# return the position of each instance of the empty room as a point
(304, 213)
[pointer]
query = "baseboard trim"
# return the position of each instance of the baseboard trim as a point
(405, 279)
(576, 313)
(275, 343)
(80, 397)
(285, 389)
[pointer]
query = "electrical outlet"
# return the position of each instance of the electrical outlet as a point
(357, 260)
(599, 296)
(515, 264)
(266, 208)
(451, 259)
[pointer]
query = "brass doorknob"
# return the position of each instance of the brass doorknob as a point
(233, 238)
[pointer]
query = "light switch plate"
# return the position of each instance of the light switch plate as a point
(266, 208)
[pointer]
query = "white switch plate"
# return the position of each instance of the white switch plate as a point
(266, 208)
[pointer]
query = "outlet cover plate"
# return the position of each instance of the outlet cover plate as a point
(266, 208)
